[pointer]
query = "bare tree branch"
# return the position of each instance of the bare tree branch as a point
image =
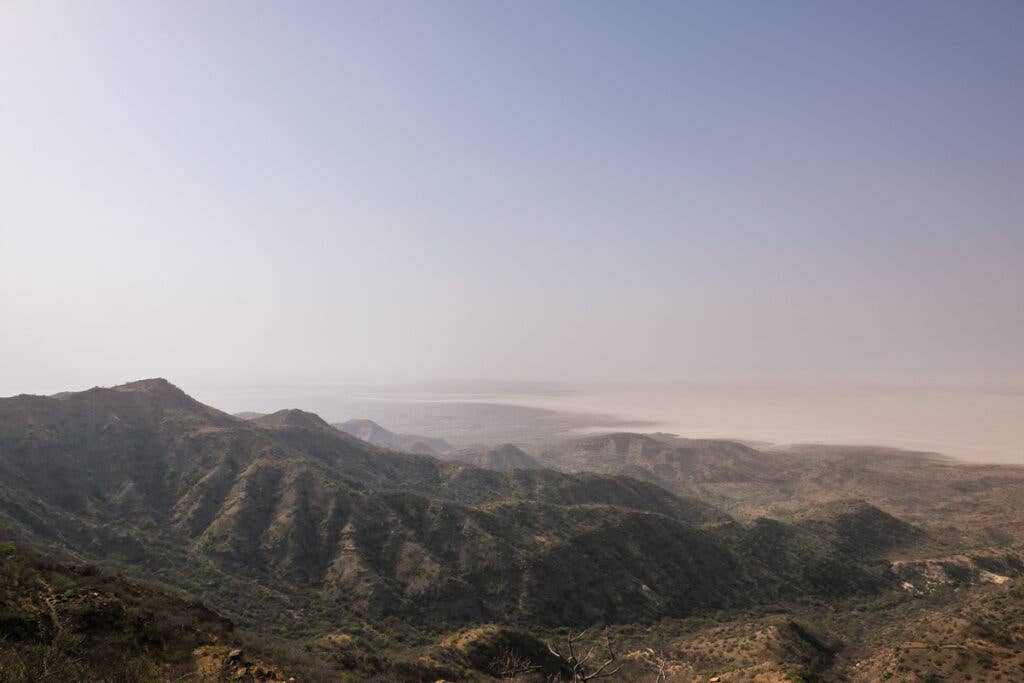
(512, 664)
(577, 666)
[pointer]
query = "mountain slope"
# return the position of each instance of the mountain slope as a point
(501, 458)
(65, 623)
(284, 515)
(965, 504)
(373, 433)
(685, 466)
(62, 622)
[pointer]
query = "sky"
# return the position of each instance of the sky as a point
(527, 191)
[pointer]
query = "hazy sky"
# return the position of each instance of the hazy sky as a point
(516, 190)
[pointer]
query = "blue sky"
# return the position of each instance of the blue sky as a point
(540, 191)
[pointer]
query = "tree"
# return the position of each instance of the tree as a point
(511, 664)
(584, 667)
(660, 663)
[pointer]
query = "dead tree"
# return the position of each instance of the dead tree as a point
(511, 664)
(660, 663)
(582, 666)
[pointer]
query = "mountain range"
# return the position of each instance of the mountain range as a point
(293, 527)
(147, 478)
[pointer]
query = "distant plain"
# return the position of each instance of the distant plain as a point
(972, 422)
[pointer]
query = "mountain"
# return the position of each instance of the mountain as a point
(857, 525)
(965, 504)
(680, 464)
(291, 417)
(688, 467)
(373, 433)
(63, 622)
(75, 623)
(501, 458)
(389, 566)
(290, 525)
